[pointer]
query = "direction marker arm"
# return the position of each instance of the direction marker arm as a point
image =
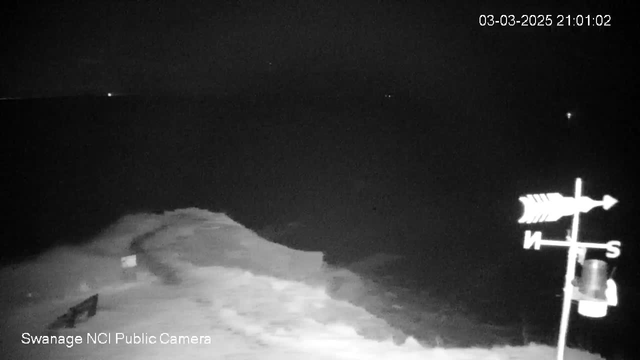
(535, 240)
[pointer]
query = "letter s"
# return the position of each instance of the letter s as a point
(613, 249)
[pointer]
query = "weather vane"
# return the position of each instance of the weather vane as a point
(594, 291)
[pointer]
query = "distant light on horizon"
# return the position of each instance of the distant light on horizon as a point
(569, 115)
(109, 94)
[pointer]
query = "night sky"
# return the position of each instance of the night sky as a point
(390, 125)
(235, 46)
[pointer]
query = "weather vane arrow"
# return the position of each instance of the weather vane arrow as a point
(552, 206)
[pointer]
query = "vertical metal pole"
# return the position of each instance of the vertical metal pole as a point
(570, 275)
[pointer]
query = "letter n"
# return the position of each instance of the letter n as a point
(534, 239)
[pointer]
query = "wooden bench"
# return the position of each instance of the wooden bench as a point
(68, 320)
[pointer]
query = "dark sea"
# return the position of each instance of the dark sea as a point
(435, 182)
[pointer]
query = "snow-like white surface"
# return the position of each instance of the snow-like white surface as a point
(221, 312)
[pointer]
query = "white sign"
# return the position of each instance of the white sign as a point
(553, 206)
(535, 240)
(128, 261)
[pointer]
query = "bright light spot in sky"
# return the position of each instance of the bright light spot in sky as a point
(109, 94)
(569, 115)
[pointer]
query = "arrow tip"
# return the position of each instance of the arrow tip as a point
(608, 202)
